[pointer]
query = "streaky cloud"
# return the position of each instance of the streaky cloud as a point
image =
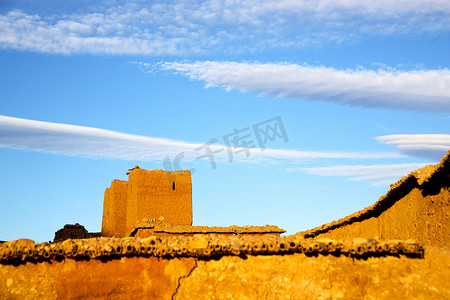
(417, 90)
(18, 133)
(428, 146)
(376, 175)
(431, 147)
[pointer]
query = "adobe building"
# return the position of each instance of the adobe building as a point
(159, 203)
(147, 194)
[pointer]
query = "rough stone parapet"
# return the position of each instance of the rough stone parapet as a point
(201, 246)
(162, 226)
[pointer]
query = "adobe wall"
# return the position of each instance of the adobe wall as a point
(295, 276)
(152, 194)
(416, 207)
(114, 209)
(147, 194)
(127, 278)
(323, 277)
(424, 219)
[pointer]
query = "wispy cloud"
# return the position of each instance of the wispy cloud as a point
(426, 90)
(91, 142)
(180, 27)
(376, 175)
(428, 146)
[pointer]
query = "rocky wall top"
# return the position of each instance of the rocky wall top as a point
(202, 246)
(162, 226)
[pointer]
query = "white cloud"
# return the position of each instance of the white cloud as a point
(85, 141)
(187, 27)
(91, 142)
(17, 133)
(426, 90)
(376, 175)
(429, 146)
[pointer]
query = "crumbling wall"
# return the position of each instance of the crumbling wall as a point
(424, 219)
(152, 194)
(222, 267)
(294, 276)
(322, 277)
(147, 194)
(76, 231)
(70, 231)
(126, 278)
(416, 207)
(114, 209)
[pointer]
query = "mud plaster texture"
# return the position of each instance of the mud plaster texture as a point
(424, 219)
(294, 276)
(298, 276)
(114, 209)
(147, 194)
(125, 278)
(416, 207)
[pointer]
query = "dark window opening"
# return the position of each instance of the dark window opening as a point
(173, 186)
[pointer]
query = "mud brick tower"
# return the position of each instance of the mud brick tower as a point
(147, 194)
(115, 209)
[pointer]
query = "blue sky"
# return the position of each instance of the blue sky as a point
(89, 89)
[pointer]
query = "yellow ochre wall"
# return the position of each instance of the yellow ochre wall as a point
(424, 219)
(114, 209)
(147, 194)
(416, 207)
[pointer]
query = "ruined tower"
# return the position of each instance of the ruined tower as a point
(147, 194)
(115, 209)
